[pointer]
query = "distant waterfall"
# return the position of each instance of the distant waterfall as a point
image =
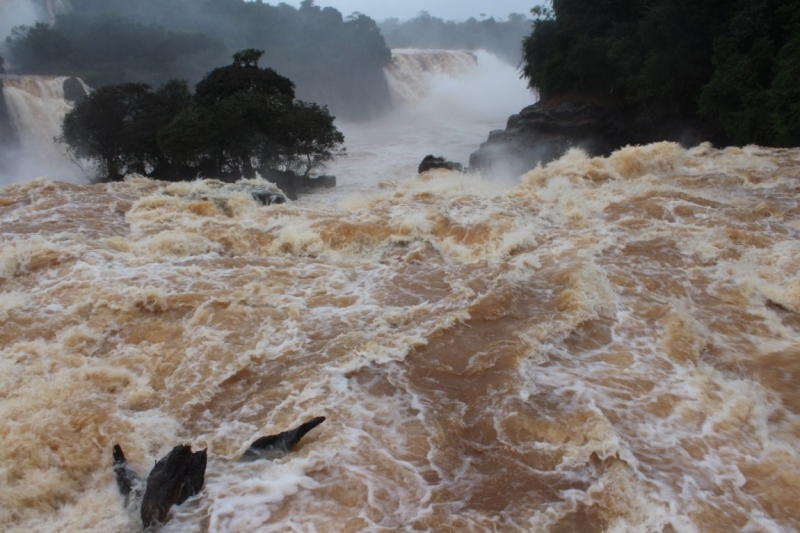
(36, 106)
(411, 71)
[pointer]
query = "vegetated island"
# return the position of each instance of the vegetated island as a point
(241, 120)
(625, 72)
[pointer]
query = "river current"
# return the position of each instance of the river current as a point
(602, 344)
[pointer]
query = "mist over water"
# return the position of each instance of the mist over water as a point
(36, 107)
(446, 103)
(605, 344)
(19, 13)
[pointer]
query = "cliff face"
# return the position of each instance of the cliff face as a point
(545, 130)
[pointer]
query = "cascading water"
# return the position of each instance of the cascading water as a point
(601, 345)
(445, 104)
(36, 107)
(410, 73)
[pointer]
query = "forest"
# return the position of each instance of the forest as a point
(502, 38)
(334, 61)
(734, 64)
(241, 119)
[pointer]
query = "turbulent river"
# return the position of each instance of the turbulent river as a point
(607, 344)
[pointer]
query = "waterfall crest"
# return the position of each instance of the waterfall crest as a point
(411, 71)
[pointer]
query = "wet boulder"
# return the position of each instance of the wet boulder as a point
(430, 162)
(74, 91)
(268, 197)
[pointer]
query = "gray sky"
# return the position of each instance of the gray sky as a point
(446, 9)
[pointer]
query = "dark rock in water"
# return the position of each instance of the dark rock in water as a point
(318, 182)
(287, 181)
(431, 162)
(541, 133)
(277, 446)
(596, 124)
(74, 91)
(291, 184)
(129, 483)
(173, 480)
(268, 197)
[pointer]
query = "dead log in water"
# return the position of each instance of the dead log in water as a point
(173, 480)
(277, 446)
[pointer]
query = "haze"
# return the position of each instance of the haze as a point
(457, 10)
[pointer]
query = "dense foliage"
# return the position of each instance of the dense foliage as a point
(733, 63)
(108, 49)
(334, 61)
(502, 38)
(242, 119)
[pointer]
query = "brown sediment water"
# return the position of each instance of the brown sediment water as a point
(607, 344)
(611, 344)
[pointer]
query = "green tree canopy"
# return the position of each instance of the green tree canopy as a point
(242, 119)
(732, 63)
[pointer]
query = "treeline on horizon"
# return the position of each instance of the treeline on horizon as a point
(333, 60)
(733, 64)
(502, 38)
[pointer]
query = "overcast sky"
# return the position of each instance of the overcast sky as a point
(446, 9)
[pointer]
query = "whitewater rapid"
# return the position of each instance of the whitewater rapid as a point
(603, 344)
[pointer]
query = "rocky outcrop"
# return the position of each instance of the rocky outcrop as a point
(75, 91)
(544, 131)
(430, 162)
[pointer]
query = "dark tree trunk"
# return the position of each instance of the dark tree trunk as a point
(173, 480)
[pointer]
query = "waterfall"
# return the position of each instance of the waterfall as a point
(411, 71)
(36, 107)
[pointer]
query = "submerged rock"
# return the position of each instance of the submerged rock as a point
(277, 446)
(430, 162)
(268, 197)
(74, 91)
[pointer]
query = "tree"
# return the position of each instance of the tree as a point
(242, 119)
(2, 65)
(730, 63)
(313, 141)
(117, 126)
(39, 50)
(245, 119)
